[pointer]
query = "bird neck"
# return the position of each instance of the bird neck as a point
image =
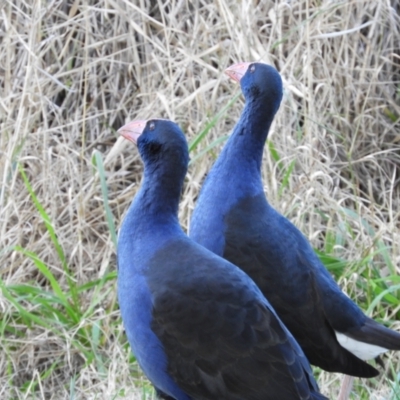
(235, 175)
(242, 155)
(154, 210)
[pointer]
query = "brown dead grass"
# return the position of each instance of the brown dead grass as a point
(71, 73)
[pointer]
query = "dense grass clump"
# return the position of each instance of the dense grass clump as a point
(72, 72)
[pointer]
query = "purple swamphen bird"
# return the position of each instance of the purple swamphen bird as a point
(198, 325)
(233, 219)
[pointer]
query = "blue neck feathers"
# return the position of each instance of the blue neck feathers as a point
(153, 213)
(241, 157)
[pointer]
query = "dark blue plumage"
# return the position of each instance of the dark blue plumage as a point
(198, 326)
(233, 219)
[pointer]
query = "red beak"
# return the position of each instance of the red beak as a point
(236, 71)
(132, 130)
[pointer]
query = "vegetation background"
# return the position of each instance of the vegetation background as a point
(72, 72)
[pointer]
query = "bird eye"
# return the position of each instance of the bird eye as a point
(252, 68)
(152, 126)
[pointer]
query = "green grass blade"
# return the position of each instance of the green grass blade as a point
(196, 141)
(46, 220)
(98, 282)
(213, 144)
(50, 229)
(333, 264)
(286, 177)
(274, 154)
(23, 312)
(392, 299)
(45, 271)
(97, 161)
(46, 304)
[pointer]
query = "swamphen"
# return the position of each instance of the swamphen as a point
(233, 219)
(198, 325)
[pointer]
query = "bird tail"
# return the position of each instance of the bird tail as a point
(378, 335)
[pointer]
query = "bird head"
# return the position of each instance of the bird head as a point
(157, 139)
(258, 81)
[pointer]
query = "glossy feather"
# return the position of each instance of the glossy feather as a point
(233, 219)
(198, 326)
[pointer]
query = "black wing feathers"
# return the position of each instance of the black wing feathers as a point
(221, 339)
(296, 299)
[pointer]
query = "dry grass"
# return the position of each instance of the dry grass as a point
(71, 73)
